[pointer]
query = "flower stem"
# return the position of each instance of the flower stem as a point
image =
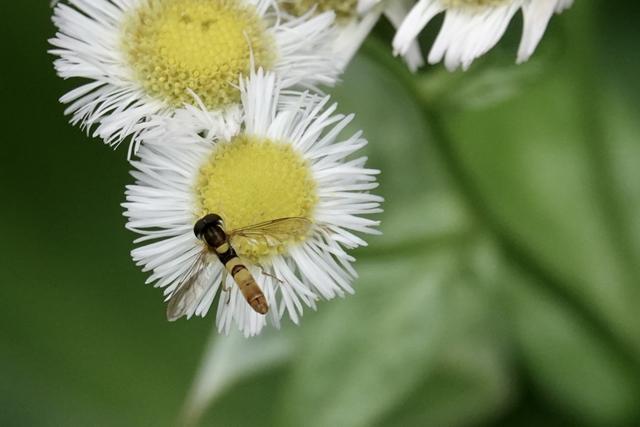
(512, 250)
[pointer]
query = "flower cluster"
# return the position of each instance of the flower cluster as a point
(248, 191)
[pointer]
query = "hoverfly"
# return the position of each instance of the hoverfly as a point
(210, 230)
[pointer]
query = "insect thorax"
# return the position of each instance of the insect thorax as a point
(215, 236)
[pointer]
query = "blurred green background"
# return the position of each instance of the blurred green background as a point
(505, 290)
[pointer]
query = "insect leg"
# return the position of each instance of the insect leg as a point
(264, 272)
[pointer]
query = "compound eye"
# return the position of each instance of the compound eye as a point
(209, 220)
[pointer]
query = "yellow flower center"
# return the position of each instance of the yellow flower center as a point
(471, 4)
(344, 9)
(250, 180)
(202, 45)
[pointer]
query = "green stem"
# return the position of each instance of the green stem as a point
(601, 162)
(512, 250)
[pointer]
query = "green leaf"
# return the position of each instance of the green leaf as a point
(553, 171)
(365, 356)
(576, 370)
(537, 180)
(469, 384)
(471, 379)
(419, 201)
(227, 361)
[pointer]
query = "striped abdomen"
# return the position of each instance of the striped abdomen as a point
(243, 278)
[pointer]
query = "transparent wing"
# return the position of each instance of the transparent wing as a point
(189, 292)
(272, 233)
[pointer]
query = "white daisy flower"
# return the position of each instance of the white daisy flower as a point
(287, 160)
(354, 21)
(395, 11)
(144, 57)
(472, 27)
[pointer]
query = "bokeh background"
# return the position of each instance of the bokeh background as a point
(505, 290)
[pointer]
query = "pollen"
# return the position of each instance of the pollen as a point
(251, 180)
(344, 9)
(202, 45)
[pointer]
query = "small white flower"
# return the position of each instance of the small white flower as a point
(140, 58)
(395, 11)
(472, 27)
(286, 160)
(355, 20)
